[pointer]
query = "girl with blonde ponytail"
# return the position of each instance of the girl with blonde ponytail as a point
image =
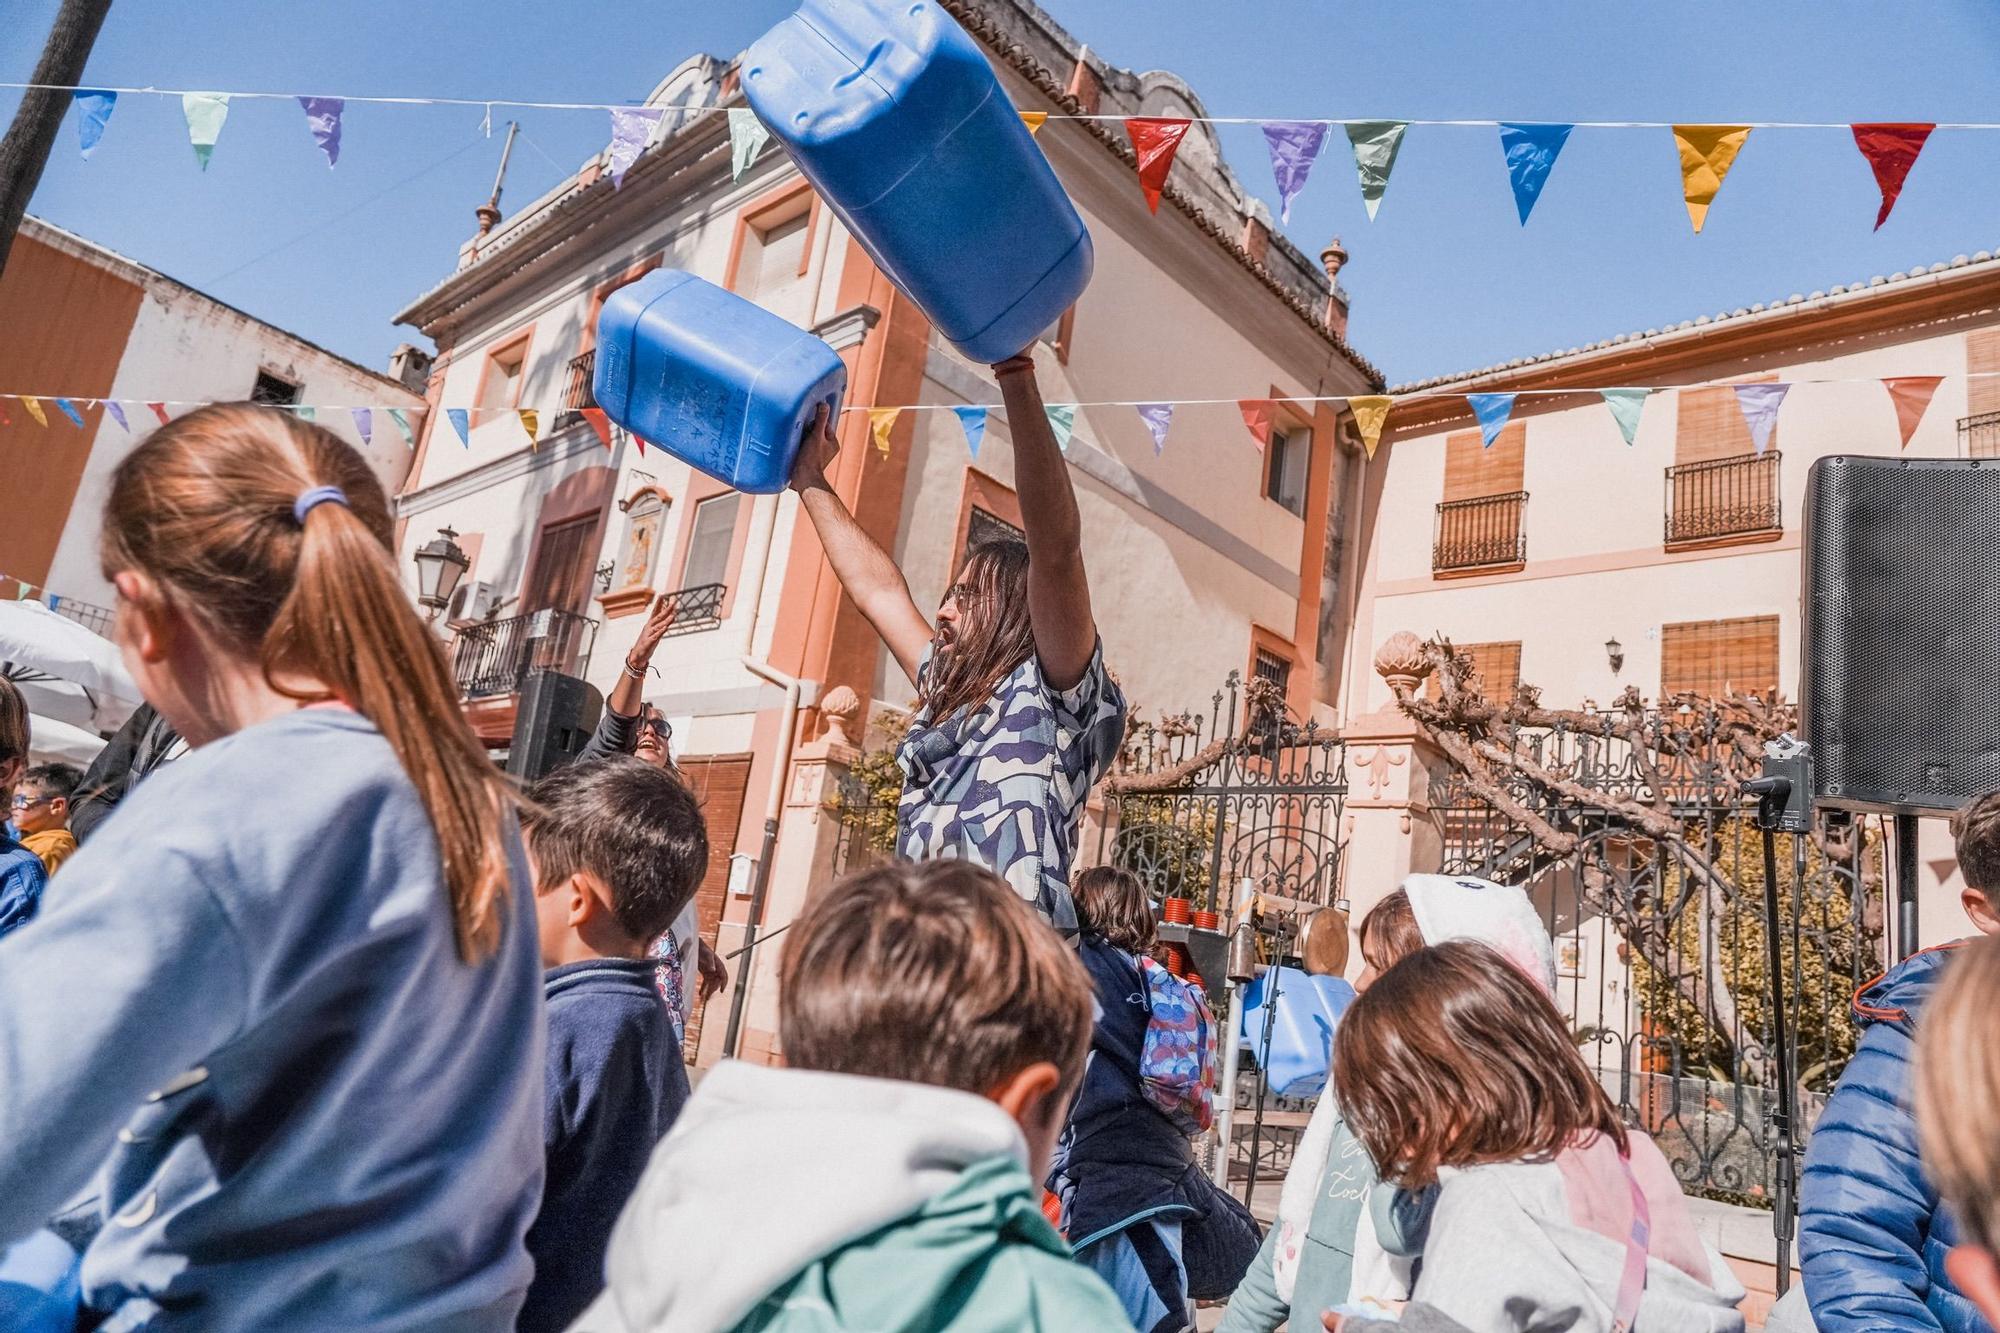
(291, 989)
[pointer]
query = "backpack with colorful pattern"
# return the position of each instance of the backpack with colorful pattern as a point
(1177, 1060)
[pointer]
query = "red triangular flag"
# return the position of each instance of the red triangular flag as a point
(1257, 413)
(1891, 150)
(1155, 140)
(1911, 395)
(5, 420)
(160, 411)
(639, 440)
(599, 423)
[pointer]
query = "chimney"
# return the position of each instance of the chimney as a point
(1256, 238)
(1335, 257)
(410, 366)
(1084, 85)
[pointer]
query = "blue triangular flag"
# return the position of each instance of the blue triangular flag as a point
(973, 419)
(461, 424)
(93, 109)
(69, 410)
(1531, 151)
(364, 422)
(117, 412)
(1626, 405)
(1492, 409)
(1062, 420)
(1159, 418)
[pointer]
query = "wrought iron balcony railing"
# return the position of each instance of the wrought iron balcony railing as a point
(494, 656)
(1725, 497)
(577, 389)
(697, 608)
(1980, 435)
(1475, 534)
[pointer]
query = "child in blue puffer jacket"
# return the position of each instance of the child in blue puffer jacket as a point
(1873, 1237)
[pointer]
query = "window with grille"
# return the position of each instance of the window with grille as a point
(1717, 658)
(1285, 468)
(1496, 670)
(275, 390)
(1979, 429)
(709, 543)
(1267, 665)
(1479, 522)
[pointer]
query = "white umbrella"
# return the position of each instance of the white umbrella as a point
(37, 639)
(50, 741)
(65, 701)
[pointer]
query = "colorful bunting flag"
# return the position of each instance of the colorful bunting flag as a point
(882, 420)
(640, 441)
(1531, 153)
(205, 113)
(1492, 409)
(462, 423)
(973, 420)
(747, 137)
(402, 421)
(631, 127)
(1375, 143)
(69, 410)
(1295, 145)
(1707, 154)
(93, 113)
(1371, 413)
(323, 119)
(117, 412)
(5, 420)
(364, 424)
(1912, 395)
(1034, 120)
(34, 407)
(1062, 421)
(1891, 150)
(1759, 405)
(1159, 418)
(160, 412)
(600, 423)
(1155, 139)
(531, 422)
(306, 413)
(1626, 405)
(1258, 414)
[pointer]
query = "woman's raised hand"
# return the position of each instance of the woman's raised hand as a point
(816, 452)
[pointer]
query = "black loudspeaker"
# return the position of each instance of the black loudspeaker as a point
(1901, 592)
(556, 716)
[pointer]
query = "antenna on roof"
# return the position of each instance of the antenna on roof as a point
(488, 213)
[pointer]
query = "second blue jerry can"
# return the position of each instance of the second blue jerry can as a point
(895, 116)
(719, 383)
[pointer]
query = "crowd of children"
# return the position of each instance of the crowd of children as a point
(268, 1061)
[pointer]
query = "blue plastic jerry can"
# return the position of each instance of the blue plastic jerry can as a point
(895, 116)
(721, 384)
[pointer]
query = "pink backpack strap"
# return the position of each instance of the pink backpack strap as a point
(1632, 1282)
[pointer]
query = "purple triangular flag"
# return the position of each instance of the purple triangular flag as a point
(117, 412)
(631, 127)
(364, 422)
(323, 119)
(1759, 403)
(1159, 418)
(1295, 146)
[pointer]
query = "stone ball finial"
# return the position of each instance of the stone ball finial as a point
(1334, 257)
(839, 707)
(1402, 662)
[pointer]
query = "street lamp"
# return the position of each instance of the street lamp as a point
(1615, 651)
(440, 565)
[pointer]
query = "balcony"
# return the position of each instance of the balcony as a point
(696, 609)
(1480, 536)
(492, 657)
(1980, 435)
(577, 390)
(1724, 500)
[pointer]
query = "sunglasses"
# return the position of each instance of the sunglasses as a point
(657, 726)
(21, 801)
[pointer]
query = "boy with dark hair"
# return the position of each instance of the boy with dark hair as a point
(1872, 1237)
(619, 848)
(933, 1033)
(41, 811)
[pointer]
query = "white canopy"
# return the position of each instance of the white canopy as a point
(67, 673)
(51, 741)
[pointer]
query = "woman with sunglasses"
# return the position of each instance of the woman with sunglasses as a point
(1016, 716)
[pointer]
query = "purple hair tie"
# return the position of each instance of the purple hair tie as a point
(312, 499)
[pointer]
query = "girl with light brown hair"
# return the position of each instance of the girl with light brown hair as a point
(289, 999)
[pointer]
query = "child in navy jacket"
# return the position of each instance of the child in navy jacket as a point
(619, 849)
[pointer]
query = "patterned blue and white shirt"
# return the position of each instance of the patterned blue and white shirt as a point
(1004, 784)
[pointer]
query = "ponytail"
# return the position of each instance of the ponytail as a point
(210, 507)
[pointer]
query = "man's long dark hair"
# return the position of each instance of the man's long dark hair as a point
(995, 634)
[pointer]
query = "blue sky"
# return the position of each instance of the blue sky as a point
(1445, 279)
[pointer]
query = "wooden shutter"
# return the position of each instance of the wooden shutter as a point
(1711, 425)
(1496, 670)
(1720, 657)
(1472, 471)
(719, 783)
(1982, 364)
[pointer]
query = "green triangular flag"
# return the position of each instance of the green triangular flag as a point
(1626, 405)
(1375, 144)
(1062, 420)
(205, 113)
(747, 137)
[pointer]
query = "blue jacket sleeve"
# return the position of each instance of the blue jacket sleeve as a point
(22, 879)
(1865, 1206)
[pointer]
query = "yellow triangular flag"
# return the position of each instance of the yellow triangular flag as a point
(1707, 153)
(1370, 413)
(882, 420)
(530, 419)
(1034, 120)
(34, 407)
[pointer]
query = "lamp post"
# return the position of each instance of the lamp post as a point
(440, 565)
(1614, 652)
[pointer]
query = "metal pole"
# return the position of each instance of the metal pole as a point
(1906, 885)
(741, 992)
(1781, 1120)
(1271, 989)
(1232, 1061)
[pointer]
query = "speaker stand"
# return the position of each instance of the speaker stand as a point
(1906, 885)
